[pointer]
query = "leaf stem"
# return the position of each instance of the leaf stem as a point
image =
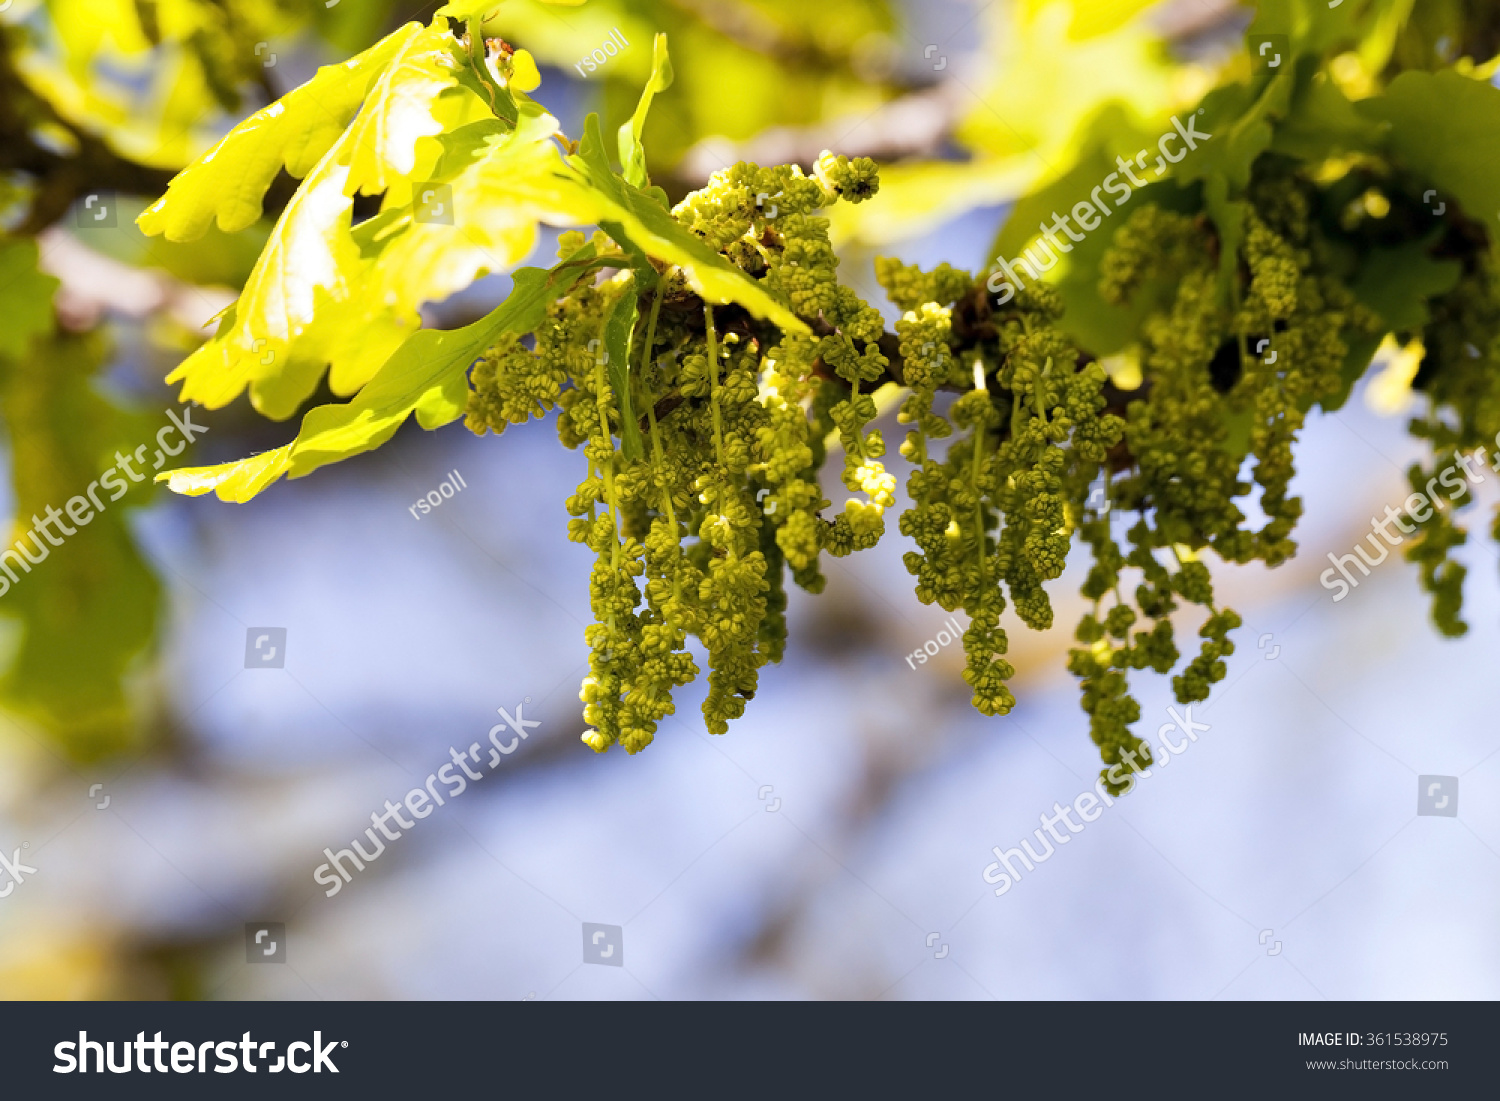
(656, 448)
(713, 380)
(607, 468)
(477, 55)
(978, 467)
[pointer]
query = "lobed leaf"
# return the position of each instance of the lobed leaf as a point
(502, 182)
(229, 182)
(1398, 282)
(652, 229)
(1242, 121)
(1446, 128)
(299, 310)
(400, 110)
(427, 376)
(319, 296)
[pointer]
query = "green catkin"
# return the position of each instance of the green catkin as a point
(725, 504)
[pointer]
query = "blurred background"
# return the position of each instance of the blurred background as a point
(174, 790)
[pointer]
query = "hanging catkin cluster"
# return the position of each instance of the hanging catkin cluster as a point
(992, 516)
(1016, 440)
(1251, 356)
(693, 536)
(1459, 373)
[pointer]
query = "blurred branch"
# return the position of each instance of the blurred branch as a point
(1186, 20)
(914, 125)
(755, 31)
(60, 179)
(93, 284)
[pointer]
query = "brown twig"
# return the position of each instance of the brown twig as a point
(60, 179)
